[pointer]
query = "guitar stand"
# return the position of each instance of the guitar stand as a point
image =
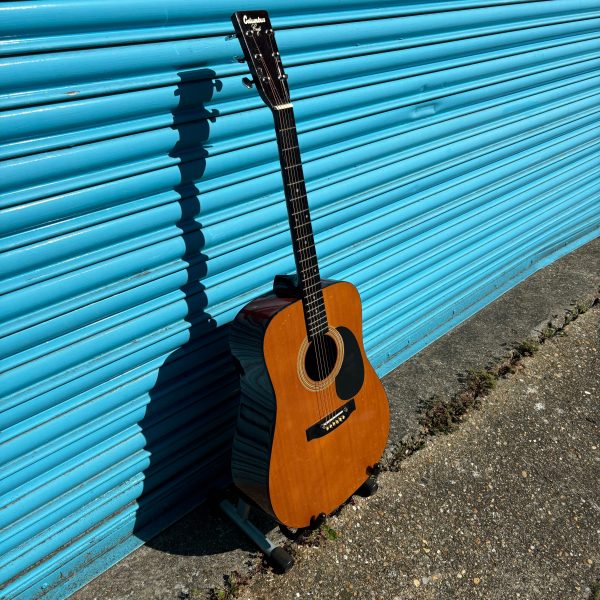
(279, 558)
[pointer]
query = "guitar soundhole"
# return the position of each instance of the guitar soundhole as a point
(321, 357)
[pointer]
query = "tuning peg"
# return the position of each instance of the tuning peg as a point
(240, 59)
(247, 82)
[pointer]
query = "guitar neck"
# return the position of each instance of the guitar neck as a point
(303, 243)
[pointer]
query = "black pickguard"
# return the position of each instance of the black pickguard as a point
(351, 377)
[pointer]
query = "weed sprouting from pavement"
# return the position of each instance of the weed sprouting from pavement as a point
(327, 532)
(527, 347)
(480, 382)
(441, 415)
(314, 537)
(549, 332)
(232, 585)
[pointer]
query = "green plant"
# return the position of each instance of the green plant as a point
(527, 347)
(232, 585)
(328, 533)
(480, 382)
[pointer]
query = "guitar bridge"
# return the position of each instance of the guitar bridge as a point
(331, 421)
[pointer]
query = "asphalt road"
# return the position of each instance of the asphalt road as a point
(507, 506)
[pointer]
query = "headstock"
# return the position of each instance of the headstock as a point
(256, 36)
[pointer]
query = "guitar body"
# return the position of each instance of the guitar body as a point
(311, 427)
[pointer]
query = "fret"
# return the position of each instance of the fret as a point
(303, 231)
(322, 326)
(296, 199)
(293, 166)
(314, 325)
(302, 227)
(303, 237)
(301, 218)
(314, 334)
(306, 224)
(315, 287)
(311, 285)
(314, 295)
(299, 212)
(315, 311)
(305, 247)
(292, 128)
(317, 329)
(308, 258)
(313, 273)
(312, 305)
(312, 280)
(308, 264)
(316, 321)
(299, 223)
(314, 299)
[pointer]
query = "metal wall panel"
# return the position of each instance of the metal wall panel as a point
(451, 149)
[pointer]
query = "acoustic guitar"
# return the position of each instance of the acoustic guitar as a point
(314, 417)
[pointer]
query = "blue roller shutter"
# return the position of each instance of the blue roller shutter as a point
(451, 149)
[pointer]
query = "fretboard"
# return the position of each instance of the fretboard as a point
(303, 241)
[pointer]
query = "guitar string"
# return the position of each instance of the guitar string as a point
(319, 344)
(304, 250)
(315, 305)
(322, 399)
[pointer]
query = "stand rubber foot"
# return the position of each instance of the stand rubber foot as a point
(317, 520)
(281, 560)
(278, 558)
(368, 488)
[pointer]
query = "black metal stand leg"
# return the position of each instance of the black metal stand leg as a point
(279, 558)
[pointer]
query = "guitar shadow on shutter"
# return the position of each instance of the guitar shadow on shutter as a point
(188, 423)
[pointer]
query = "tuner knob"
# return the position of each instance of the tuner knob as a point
(240, 59)
(247, 82)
